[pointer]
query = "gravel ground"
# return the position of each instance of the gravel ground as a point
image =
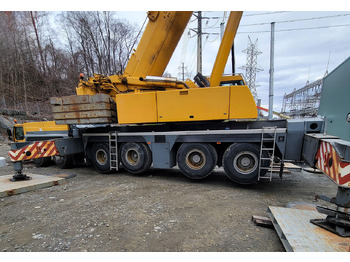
(159, 211)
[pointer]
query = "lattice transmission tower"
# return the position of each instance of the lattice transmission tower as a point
(251, 67)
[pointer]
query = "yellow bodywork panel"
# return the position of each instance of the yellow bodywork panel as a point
(84, 91)
(36, 127)
(44, 126)
(136, 108)
(193, 104)
(198, 104)
(242, 104)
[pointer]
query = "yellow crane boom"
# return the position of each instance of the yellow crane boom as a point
(225, 47)
(158, 42)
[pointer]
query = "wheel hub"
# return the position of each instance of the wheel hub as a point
(195, 159)
(101, 157)
(245, 162)
(132, 157)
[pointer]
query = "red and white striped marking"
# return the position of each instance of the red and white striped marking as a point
(35, 150)
(332, 165)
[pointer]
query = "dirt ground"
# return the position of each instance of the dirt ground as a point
(159, 211)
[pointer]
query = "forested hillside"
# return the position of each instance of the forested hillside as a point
(43, 53)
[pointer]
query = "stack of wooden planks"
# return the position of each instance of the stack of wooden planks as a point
(84, 109)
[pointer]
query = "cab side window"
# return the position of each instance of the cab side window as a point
(232, 83)
(19, 133)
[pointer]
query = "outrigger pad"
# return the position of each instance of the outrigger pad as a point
(336, 221)
(332, 227)
(20, 177)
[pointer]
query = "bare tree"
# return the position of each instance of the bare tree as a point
(101, 39)
(38, 60)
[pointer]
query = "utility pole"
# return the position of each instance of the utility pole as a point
(233, 59)
(183, 72)
(272, 54)
(199, 42)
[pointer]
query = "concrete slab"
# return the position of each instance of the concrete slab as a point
(8, 188)
(299, 235)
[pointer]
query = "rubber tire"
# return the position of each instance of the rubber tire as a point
(211, 158)
(42, 162)
(63, 162)
(143, 161)
(235, 174)
(102, 168)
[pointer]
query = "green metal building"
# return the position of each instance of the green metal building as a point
(335, 101)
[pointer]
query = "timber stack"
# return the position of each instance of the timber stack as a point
(84, 109)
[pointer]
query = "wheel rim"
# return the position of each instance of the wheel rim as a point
(101, 157)
(132, 156)
(195, 159)
(245, 162)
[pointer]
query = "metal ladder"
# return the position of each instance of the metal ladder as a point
(113, 151)
(268, 134)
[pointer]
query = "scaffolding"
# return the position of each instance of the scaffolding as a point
(303, 102)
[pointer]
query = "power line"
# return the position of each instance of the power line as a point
(269, 13)
(290, 21)
(221, 17)
(137, 37)
(294, 29)
(297, 20)
(208, 27)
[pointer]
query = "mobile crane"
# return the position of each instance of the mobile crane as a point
(162, 122)
(191, 122)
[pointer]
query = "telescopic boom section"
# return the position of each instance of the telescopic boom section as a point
(158, 42)
(225, 47)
